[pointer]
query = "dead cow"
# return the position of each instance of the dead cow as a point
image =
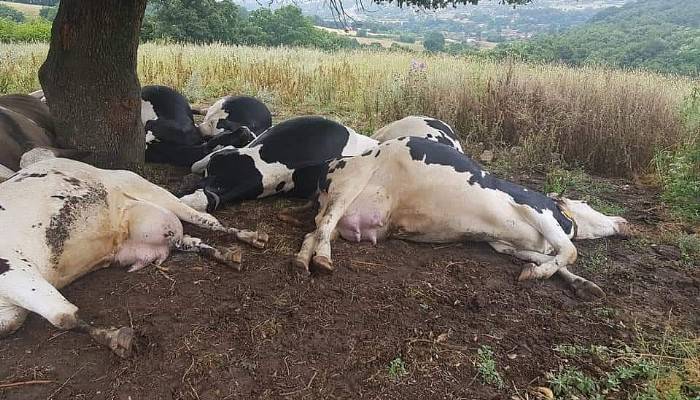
(423, 191)
(62, 219)
(418, 126)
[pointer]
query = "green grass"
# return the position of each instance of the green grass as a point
(397, 368)
(577, 184)
(486, 367)
(654, 368)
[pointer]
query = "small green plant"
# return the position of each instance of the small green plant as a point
(569, 383)
(690, 247)
(397, 368)
(562, 182)
(679, 173)
(486, 367)
(596, 258)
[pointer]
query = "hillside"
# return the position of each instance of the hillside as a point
(30, 10)
(660, 35)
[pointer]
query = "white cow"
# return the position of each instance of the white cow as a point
(418, 126)
(62, 219)
(419, 190)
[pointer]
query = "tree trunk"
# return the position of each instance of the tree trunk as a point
(90, 81)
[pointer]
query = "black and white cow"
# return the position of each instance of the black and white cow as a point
(274, 161)
(171, 135)
(419, 190)
(62, 219)
(25, 123)
(231, 113)
(417, 126)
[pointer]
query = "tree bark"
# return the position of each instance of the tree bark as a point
(90, 81)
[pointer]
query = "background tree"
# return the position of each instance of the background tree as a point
(434, 41)
(90, 81)
(11, 14)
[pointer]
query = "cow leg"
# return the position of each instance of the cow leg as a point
(564, 249)
(285, 216)
(11, 318)
(5, 173)
(582, 286)
(526, 255)
(230, 257)
(26, 288)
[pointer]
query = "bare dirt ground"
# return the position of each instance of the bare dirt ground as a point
(208, 332)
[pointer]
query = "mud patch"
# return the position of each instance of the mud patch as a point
(62, 222)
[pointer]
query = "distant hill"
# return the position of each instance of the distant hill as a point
(30, 10)
(659, 35)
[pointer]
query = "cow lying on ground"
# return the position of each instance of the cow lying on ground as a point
(171, 135)
(419, 190)
(25, 123)
(231, 113)
(272, 163)
(62, 219)
(417, 126)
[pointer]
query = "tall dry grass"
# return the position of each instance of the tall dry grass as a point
(609, 122)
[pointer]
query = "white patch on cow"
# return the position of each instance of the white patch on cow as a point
(147, 112)
(357, 144)
(272, 173)
(211, 120)
(5, 172)
(150, 138)
(197, 200)
(200, 166)
(34, 156)
(413, 126)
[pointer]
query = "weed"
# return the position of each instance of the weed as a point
(562, 182)
(570, 382)
(397, 368)
(595, 259)
(486, 367)
(690, 247)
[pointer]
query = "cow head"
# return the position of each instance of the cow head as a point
(237, 138)
(591, 224)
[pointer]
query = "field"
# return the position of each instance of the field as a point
(402, 320)
(369, 39)
(30, 10)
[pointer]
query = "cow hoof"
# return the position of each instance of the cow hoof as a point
(528, 272)
(323, 262)
(300, 265)
(255, 239)
(120, 340)
(232, 257)
(587, 290)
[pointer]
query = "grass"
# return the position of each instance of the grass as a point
(577, 184)
(30, 10)
(608, 122)
(655, 368)
(397, 368)
(486, 367)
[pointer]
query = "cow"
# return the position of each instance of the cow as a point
(419, 190)
(230, 113)
(62, 219)
(417, 126)
(38, 94)
(171, 134)
(25, 123)
(271, 164)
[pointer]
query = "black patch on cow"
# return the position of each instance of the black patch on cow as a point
(429, 152)
(168, 234)
(308, 180)
(302, 141)
(299, 143)
(340, 164)
(248, 111)
(58, 231)
(58, 197)
(232, 176)
(366, 153)
(377, 155)
(442, 127)
(444, 140)
(13, 129)
(2, 208)
(4, 266)
(280, 186)
(21, 177)
(73, 181)
(402, 138)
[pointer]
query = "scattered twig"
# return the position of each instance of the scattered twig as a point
(301, 390)
(66, 382)
(25, 383)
